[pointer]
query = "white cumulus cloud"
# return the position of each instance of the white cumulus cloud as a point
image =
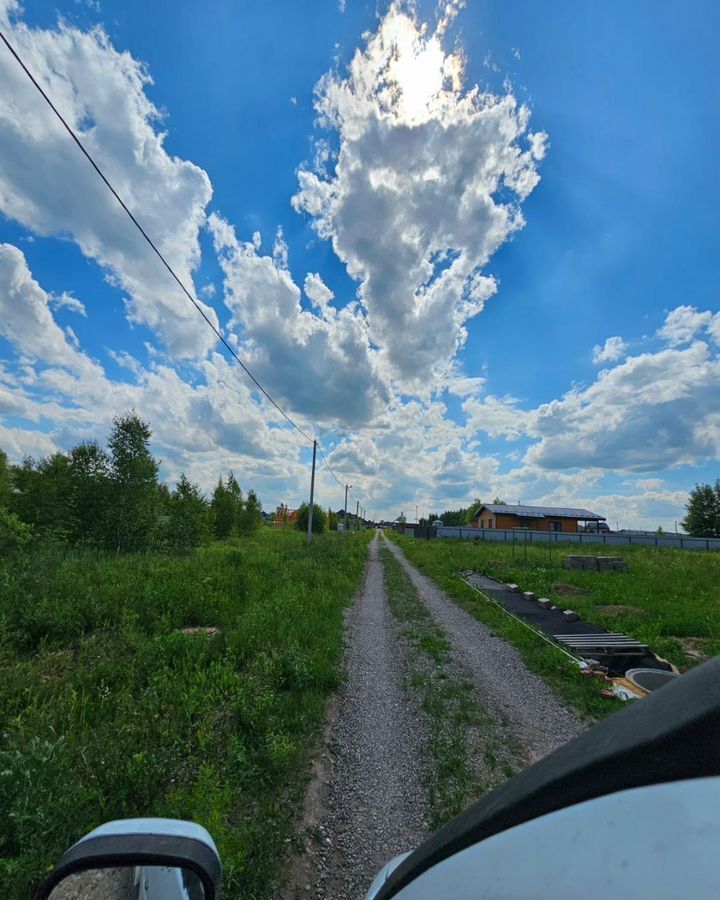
(683, 323)
(318, 292)
(321, 365)
(49, 187)
(612, 350)
(426, 186)
(26, 319)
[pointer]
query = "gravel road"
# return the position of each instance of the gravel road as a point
(539, 720)
(375, 799)
(368, 802)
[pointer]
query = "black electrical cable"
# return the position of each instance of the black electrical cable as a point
(149, 240)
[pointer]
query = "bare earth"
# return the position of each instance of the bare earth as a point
(367, 802)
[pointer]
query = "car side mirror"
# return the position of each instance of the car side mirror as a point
(138, 859)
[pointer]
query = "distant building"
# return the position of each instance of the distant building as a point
(535, 518)
(284, 515)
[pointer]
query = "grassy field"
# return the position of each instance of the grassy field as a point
(109, 709)
(668, 598)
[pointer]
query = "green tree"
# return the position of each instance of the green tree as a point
(221, 511)
(89, 494)
(236, 498)
(226, 507)
(187, 525)
(41, 497)
(472, 510)
(133, 485)
(703, 511)
(14, 533)
(5, 480)
(319, 522)
(250, 515)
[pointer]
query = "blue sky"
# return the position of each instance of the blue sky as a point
(424, 273)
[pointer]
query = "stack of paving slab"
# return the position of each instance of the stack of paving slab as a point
(596, 563)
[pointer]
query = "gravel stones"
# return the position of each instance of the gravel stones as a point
(376, 798)
(373, 804)
(538, 719)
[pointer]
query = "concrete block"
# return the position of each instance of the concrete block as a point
(512, 587)
(528, 595)
(544, 603)
(612, 564)
(570, 616)
(580, 562)
(596, 563)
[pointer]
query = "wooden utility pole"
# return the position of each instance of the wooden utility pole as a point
(312, 495)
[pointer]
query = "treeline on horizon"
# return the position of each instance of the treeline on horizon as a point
(462, 516)
(111, 499)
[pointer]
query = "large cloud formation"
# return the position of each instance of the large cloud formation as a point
(656, 410)
(49, 187)
(420, 180)
(320, 364)
(426, 186)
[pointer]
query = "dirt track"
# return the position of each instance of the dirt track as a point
(368, 802)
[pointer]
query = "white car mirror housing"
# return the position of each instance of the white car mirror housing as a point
(156, 847)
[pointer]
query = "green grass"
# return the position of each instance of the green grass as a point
(675, 594)
(444, 560)
(457, 725)
(107, 710)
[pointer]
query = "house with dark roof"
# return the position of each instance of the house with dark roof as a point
(535, 518)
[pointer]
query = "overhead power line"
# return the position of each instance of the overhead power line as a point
(327, 466)
(161, 257)
(149, 240)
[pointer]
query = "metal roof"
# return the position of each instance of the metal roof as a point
(539, 512)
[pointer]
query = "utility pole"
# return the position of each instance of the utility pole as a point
(347, 488)
(357, 510)
(312, 495)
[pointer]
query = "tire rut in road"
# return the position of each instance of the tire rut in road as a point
(374, 799)
(534, 714)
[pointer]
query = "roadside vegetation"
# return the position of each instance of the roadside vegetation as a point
(468, 757)
(97, 498)
(703, 511)
(161, 654)
(668, 598)
(188, 687)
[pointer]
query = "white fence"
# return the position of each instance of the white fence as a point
(520, 535)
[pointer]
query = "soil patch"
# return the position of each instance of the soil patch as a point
(560, 587)
(694, 648)
(620, 609)
(497, 564)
